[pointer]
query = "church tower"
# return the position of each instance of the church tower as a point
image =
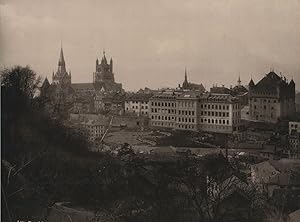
(104, 71)
(61, 77)
(185, 83)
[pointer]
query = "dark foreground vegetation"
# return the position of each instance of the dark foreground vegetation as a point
(44, 162)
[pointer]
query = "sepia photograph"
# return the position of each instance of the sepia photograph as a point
(150, 111)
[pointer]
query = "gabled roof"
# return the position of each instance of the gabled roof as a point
(264, 171)
(269, 82)
(295, 216)
(46, 83)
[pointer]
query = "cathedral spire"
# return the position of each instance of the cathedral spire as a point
(61, 61)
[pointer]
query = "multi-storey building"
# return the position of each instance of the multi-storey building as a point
(138, 103)
(186, 111)
(271, 99)
(219, 113)
(163, 110)
(95, 128)
(190, 111)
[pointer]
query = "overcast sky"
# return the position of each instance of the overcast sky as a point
(152, 42)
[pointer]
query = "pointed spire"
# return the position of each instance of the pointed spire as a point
(111, 65)
(46, 83)
(104, 58)
(239, 81)
(185, 75)
(61, 61)
(251, 83)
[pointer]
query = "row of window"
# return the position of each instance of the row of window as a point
(214, 121)
(157, 110)
(186, 126)
(186, 120)
(264, 100)
(163, 124)
(221, 114)
(186, 103)
(214, 106)
(167, 104)
(294, 125)
(136, 107)
(141, 102)
(265, 107)
(186, 112)
(163, 117)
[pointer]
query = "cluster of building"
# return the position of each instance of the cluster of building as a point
(187, 107)
(279, 179)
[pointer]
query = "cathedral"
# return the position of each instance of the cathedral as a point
(62, 91)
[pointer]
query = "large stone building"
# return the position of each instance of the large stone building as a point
(62, 91)
(196, 111)
(271, 99)
(219, 113)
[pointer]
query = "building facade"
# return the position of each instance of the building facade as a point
(162, 111)
(190, 111)
(186, 112)
(219, 113)
(138, 104)
(271, 99)
(95, 129)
